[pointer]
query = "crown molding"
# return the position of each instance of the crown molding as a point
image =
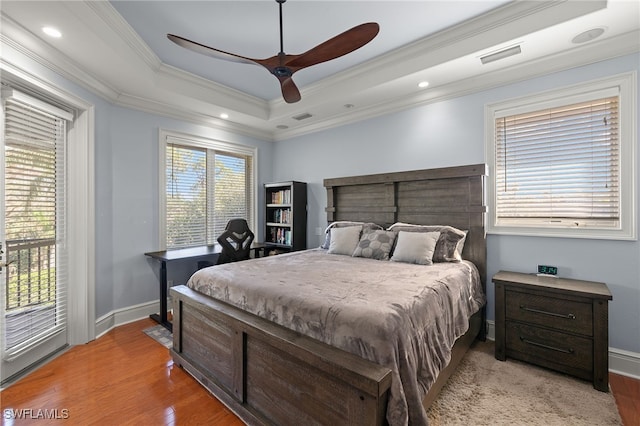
(182, 81)
(110, 16)
(232, 99)
(14, 36)
(170, 110)
(181, 95)
(510, 21)
(597, 51)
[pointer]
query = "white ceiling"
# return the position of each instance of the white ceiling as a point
(251, 29)
(119, 49)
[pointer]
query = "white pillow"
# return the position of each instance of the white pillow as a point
(415, 247)
(344, 240)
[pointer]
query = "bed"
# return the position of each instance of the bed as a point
(235, 343)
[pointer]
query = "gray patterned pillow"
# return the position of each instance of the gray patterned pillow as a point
(375, 244)
(450, 244)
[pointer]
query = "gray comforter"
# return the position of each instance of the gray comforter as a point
(402, 316)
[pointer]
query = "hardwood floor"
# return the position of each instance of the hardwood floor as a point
(627, 393)
(114, 381)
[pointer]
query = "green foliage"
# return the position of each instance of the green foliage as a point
(31, 288)
(189, 217)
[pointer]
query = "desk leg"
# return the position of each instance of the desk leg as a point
(162, 318)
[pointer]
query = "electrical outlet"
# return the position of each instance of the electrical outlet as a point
(319, 231)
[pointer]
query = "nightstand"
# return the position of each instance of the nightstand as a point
(557, 323)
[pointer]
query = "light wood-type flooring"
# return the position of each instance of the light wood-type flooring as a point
(126, 378)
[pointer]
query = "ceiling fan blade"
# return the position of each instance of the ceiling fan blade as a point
(290, 91)
(209, 51)
(337, 46)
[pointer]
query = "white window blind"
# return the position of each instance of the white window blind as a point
(35, 231)
(205, 188)
(186, 196)
(559, 166)
(233, 190)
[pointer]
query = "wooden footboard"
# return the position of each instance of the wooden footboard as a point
(268, 374)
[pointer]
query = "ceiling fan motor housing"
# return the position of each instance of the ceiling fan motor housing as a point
(282, 72)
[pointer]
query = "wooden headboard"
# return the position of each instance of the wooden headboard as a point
(452, 196)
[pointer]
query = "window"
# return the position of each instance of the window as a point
(562, 163)
(34, 228)
(204, 184)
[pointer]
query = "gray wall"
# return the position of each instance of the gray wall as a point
(127, 210)
(126, 197)
(441, 134)
(450, 133)
(126, 192)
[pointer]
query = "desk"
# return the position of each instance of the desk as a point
(165, 256)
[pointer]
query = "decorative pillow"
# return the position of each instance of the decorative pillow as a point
(415, 247)
(344, 240)
(450, 244)
(366, 226)
(375, 244)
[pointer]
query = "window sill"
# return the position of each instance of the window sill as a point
(596, 234)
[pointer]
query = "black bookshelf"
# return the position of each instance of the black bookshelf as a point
(286, 215)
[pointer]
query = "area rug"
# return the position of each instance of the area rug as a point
(485, 391)
(160, 335)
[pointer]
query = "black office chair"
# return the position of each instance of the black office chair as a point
(235, 241)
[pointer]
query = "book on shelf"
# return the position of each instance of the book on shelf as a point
(282, 216)
(281, 197)
(280, 236)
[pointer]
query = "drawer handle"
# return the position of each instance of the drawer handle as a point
(541, 345)
(553, 314)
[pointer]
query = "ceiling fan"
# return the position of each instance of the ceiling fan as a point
(282, 65)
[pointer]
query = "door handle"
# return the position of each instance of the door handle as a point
(5, 264)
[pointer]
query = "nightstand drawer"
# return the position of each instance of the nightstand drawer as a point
(550, 345)
(560, 314)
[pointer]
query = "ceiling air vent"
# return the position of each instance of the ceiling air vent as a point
(505, 53)
(302, 116)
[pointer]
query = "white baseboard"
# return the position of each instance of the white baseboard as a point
(491, 330)
(622, 362)
(124, 316)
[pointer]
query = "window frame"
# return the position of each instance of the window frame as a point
(204, 143)
(625, 86)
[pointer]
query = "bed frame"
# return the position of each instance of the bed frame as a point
(268, 374)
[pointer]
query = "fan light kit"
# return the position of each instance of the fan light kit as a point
(282, 65)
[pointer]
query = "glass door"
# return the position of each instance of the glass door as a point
(32, 232)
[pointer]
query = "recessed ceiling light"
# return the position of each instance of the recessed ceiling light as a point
(282, 126)
(224, 115)
(588, 35)
(52, 32)
(423, 84)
